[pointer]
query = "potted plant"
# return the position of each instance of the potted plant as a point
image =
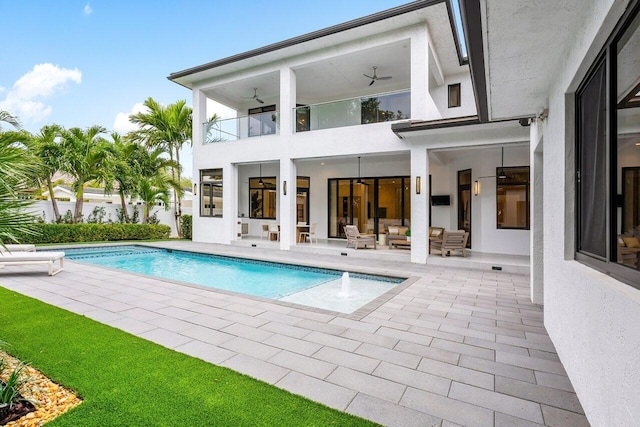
(408, 234)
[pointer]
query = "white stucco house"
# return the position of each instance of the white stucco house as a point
(529, 138)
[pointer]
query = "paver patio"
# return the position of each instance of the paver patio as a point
(455, 347)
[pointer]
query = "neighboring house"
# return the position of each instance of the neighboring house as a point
(550, 91)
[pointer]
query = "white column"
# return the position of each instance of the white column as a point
(287, 100)
(199, 111)
(419, 205)
(536, 212)
(287, 203)
(230, 200)
(419, 75)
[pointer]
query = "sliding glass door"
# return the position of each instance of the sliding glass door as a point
(373, 204)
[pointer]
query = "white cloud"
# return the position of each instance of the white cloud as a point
(87, 9)
(122, 124)
(25, 98)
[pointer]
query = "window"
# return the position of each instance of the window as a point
(608, 156)
(454, 95)
(512, 197)
(263, 120)
(262, 197)
(211, 192)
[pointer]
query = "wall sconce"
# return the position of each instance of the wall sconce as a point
(476, 187)
(284, 187)
(195, 188)
(418, 185)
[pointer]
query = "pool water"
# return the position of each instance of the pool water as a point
(304, 285)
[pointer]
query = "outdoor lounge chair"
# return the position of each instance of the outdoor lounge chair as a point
(304, 235)
(17, 248)
(451, 241)
(26, 258)
(356, 239)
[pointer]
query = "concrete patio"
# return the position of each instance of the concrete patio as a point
(454, 347)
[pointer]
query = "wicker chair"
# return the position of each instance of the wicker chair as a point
(356, 239)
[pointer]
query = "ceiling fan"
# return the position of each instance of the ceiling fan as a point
(501, 173)
(255, 96)
(375, 76)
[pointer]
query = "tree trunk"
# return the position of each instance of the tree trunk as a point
(123, 202)
(177, 202)
(54, 202)
(77, 214)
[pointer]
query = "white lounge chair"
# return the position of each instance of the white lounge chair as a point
(26, 258)
(17, 248)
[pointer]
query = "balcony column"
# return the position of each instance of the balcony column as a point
(419, 74)
(419, 205)
(287, 100)
(287, 203)
(199, 117)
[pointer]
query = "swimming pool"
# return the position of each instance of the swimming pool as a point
(299, 284)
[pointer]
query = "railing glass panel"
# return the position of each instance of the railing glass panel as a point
(242, 127)
(356, 111)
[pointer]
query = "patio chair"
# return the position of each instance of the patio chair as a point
(436, 232)
(304, 235)
(265, 230)
(356, 239)
(451, 241)
(274, 229)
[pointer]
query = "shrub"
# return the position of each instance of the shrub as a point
(186, 224)
(70, 233)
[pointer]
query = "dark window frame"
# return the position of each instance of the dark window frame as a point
(608, 54)
(526, 183)
(452, 101)
(207, 187)
(261, 189)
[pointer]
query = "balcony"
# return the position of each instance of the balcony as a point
(254, 125)
(355, 111)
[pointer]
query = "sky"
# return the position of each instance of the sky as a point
(79, 63)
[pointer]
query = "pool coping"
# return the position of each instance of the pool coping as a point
(358, 314)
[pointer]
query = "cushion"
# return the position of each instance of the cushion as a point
(631, 242)
(393, 230)
(621, 241)
(402, 230)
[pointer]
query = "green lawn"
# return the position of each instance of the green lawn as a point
(127, 381)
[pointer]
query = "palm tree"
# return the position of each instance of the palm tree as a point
(126, 168)
(6, 116)
(169, 128)
(154, 190)
(17, 169)
(86, 157)
(45, 146)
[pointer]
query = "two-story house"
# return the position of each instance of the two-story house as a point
(531, 134)
(313, 140)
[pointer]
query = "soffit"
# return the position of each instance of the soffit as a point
(525, 45)
(435, 16)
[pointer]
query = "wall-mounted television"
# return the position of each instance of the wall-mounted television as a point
(440, 200)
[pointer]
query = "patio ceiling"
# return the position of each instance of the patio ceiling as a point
(341, 76)
(525, 46)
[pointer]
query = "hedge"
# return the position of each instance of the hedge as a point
(70, 233)
(186, 224)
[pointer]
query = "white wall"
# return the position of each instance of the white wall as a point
(591, 318)
(44, 209)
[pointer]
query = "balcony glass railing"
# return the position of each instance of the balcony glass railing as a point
(242, 127)
(356, 111)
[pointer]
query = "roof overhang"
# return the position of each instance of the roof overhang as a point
(388, 20)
